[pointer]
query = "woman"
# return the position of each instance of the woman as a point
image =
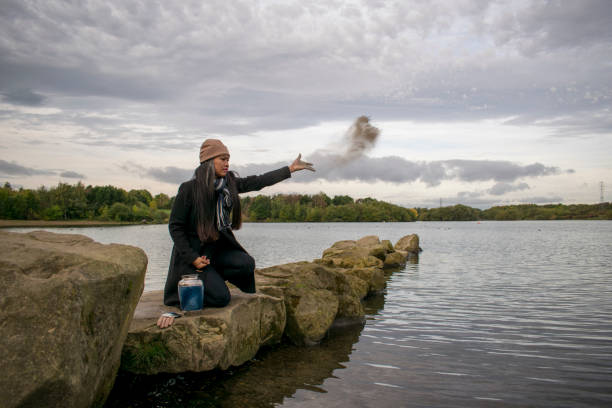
(201, 228)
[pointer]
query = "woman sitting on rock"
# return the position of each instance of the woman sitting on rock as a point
(201, 228)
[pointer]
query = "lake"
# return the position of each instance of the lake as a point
(500, 314)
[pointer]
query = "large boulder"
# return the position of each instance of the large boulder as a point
(408, 244)
(65, 307)
(374, 278)
(366, 252)
(202, 340)
(395, 259)
(348, 254)
(315, 295)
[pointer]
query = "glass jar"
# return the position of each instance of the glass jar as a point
(191, 292)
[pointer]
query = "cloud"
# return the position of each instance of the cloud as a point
(72, 174)
(390, 169)
(115, 76)
(498, 189)
(23, 97)
(169, 174)
(172, 175)
(469, 194)
(14, 169)
(549, 25)
(243, 66)
(503, 188)
(477, 201)
(398, 170)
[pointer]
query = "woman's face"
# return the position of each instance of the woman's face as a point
(221, 165)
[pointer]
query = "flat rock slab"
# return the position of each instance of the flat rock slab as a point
(201, 340)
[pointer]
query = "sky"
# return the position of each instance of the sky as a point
(479, 103)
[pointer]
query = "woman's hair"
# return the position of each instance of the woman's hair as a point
(204, 201)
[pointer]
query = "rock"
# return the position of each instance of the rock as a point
(347, 254)
(387, 245)
(348, 270)
(314, 296)
(409, 243)
(395, 259)
(374, 277)
(368, 241)
(202, 340)
(311, 316)
(378, 251)
(65, 307)
(298, 301)
(376, 248)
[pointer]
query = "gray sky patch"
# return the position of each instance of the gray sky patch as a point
(23, 97)
(72, 174)
(14, 169)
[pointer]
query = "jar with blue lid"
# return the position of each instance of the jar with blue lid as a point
(191, 292)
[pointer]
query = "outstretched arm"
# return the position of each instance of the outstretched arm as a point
(298, 164)
(254, 183)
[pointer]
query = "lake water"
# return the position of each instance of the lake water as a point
(499, 314)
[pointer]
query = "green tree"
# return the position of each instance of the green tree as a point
(119, 212)
(71, 199)
(260, 208)
(53, 213)
(342, 199)
(162, 201)
(314, 214)
(104, 196)
(321, 200)
(5, 201)
(135, 196)
(287, 212)
(141, 212)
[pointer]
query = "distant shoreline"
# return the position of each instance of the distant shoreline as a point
(93, 223)
(62, 223)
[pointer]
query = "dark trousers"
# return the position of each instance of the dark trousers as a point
(231, 264)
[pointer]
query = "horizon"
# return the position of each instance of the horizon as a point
(257, 193)
(504, 103)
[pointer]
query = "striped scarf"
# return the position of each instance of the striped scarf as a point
(224, 204)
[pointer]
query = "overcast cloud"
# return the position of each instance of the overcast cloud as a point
(101, 83)
(14, 169)
(72, 174)
(390, 169)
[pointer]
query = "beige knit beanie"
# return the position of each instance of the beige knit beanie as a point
(212, 148)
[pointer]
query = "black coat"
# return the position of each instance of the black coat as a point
(182, 225)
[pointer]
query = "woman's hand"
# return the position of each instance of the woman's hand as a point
(298, 164)
(201, 262)
(165, 321)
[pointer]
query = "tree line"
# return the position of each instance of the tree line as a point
(77, 202)
(602, 211)
(322, 208)
(108, 203)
